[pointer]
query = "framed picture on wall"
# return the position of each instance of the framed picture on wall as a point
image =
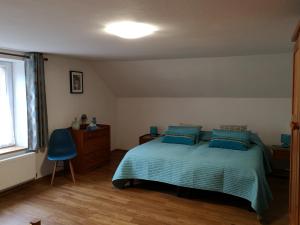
(76, 82)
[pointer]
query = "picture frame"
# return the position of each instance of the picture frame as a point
(76, 82)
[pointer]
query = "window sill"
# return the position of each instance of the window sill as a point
(12, 149)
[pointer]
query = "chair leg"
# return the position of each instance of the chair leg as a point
(65, 168)
(72, 171)
(53, 173)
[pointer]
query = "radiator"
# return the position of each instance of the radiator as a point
(16, 170)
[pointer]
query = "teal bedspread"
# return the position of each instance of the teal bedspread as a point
(238, 173)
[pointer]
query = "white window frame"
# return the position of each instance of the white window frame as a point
(8, 67)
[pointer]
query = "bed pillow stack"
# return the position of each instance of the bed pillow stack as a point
(228, 139)
(182, 135)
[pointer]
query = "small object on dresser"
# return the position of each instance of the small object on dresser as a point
(83, 119)
(75, 124)
(154, 131)
(285, 140)
(92, 125)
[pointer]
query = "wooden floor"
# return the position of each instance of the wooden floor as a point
(93, 200)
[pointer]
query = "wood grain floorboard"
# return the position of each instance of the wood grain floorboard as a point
(94, 201)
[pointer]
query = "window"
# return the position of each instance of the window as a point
(13, 106)
(7, 136)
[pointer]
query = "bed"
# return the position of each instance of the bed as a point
(238, 173)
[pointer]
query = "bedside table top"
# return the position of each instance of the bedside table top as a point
(148, 136)
(280, 153)
(279, 148)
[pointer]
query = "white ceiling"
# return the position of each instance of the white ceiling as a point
(189, 28)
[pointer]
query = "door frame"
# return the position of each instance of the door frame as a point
(294, 192)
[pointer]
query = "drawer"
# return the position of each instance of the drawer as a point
(95, 134)
(91, 159)
(95, 159)
(91, 135)
(281, 154)
(96, 144)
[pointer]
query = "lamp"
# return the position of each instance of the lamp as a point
(285, 140)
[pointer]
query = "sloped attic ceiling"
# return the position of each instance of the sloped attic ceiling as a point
(266, 76)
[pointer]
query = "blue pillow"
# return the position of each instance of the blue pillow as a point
(180, 139)
(185, 130)
(227, 139)
(182, 135)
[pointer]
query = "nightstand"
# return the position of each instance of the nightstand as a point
(146, 137)
(280, 161)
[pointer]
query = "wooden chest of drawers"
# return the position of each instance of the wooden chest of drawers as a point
(93, 148)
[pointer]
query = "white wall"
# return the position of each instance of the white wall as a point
(97, 100)
(268, 116)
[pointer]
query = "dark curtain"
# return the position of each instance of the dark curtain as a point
(36, 102)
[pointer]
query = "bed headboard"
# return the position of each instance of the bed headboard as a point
(234, 127)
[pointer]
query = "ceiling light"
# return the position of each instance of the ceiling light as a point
(130, 29)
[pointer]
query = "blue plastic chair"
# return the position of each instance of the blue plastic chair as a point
(61, 147)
